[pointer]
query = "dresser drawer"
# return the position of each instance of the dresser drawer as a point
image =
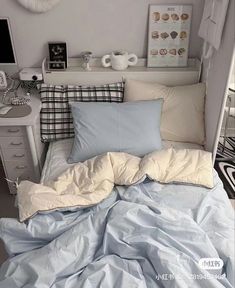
(11, 131)
(13, 142)
(15, 155)
(19, 169)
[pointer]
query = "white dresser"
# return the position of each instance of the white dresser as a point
(21, 150)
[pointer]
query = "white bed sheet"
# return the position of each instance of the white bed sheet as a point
(58, 152)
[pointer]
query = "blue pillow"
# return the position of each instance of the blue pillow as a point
(131, 127)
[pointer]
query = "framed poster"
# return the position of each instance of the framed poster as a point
(57, 56)
(169, 31)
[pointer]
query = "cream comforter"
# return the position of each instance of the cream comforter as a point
(89, 183)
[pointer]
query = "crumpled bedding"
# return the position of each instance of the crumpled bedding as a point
(92, 181)
(145, 235)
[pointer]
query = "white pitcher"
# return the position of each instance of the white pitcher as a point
(119, 60)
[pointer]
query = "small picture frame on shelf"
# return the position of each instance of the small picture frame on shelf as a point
(56, 65)
(57, 56)
(168, 38)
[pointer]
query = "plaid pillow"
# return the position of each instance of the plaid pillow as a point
(56, 119)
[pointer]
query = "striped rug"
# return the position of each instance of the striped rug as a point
(226, 168)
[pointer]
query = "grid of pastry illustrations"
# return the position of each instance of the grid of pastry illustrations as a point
(169, 31)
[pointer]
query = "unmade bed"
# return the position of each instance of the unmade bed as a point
(144, 235)
(117, 206)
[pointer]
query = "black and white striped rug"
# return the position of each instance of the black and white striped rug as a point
(226, 168)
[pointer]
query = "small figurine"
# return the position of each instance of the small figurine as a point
(86, 57)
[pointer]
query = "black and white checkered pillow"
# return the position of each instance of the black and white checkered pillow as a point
(56, 119)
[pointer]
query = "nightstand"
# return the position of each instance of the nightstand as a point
(21, 150)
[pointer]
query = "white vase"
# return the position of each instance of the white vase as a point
(119, 60)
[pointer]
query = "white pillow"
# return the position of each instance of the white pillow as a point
(183, 108)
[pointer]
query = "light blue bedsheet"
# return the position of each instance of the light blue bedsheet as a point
(146, 235)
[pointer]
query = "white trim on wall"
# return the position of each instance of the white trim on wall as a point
(76, 75)
(222, 111)
(217, 83)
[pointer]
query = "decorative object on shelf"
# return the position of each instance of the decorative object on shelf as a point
(86, 57)
(169, 31)
(4, 109)
(57, 56)
(12, 86)
(38, 6)
(19, 100)
(119, 60)
(29, 79)
(29, 86)
(15, 111)
(3, 80)
(11, 95)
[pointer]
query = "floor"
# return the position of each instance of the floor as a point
(225, 166)
(7, 208)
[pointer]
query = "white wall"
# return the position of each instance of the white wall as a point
(218, 78)
(100, 26)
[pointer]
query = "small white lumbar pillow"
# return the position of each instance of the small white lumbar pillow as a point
(183, 108)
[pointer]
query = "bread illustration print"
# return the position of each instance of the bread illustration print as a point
(165, 17)
(156, 16)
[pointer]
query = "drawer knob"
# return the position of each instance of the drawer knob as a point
(13, 130)
(19, 155)
(21, 167)
(16, 144)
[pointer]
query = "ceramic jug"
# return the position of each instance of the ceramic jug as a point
(119, 60)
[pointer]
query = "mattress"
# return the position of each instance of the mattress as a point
(58, 152)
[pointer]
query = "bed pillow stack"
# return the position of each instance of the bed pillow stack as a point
(183, 108)
(134, 127)
(56, 119)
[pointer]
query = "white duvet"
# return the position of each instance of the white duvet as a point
(89, 183)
